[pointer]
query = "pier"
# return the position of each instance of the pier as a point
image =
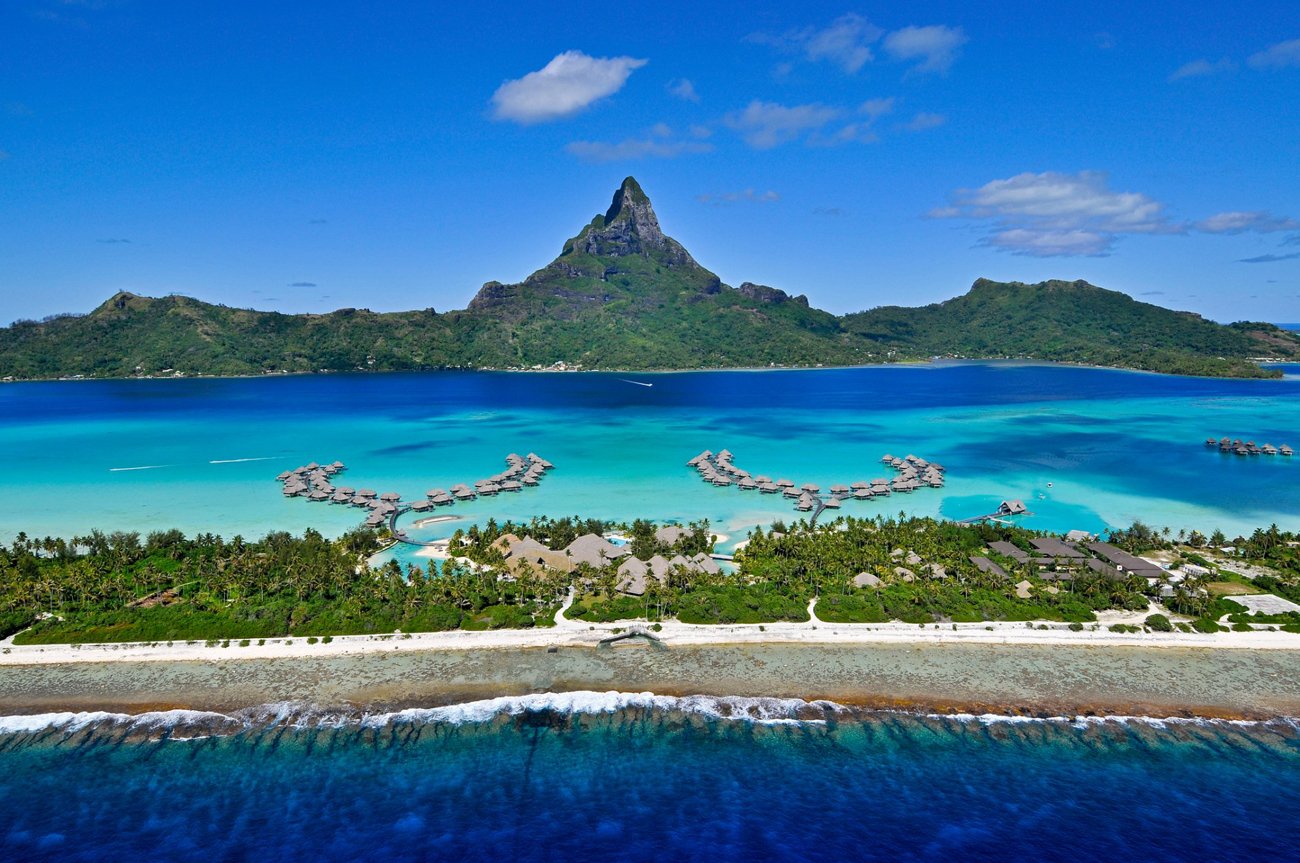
(911, 473)
(1006, 508)
(314, 482)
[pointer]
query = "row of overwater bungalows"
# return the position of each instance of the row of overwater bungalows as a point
(719, 469)
(313, 481)
(1240, 447)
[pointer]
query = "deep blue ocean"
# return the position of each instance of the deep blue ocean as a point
(650, 782)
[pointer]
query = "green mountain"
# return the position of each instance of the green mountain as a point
(622, 294)
(1074, 322)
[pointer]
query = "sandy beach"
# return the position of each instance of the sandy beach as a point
(577, 633)
(999, 668)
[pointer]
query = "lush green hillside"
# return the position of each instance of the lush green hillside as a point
(1073, 322)
(622, 294)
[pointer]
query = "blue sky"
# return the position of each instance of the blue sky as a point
(305, 157)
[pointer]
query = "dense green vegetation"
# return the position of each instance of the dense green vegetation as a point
(1074, 322)
(623, 295)
(167, 587)
(781, 571)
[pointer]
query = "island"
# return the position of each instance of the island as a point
(624, 295)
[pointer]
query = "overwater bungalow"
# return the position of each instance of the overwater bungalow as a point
(390, 496)
(464, 494)
(790, 491)
(1012, 507)
(511, 485)
(747, 484)
(862, 493)
(360, 501)
(804, 505)
(339, 497)
(366, 492)
(887, 458)
(421, 506)
(769, 488)
(831, 503)
(811, 487)
(785, 483)
(839, 488)
(1285, 450)
(760, 479)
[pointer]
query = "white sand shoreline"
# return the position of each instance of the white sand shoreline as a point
(571, 634)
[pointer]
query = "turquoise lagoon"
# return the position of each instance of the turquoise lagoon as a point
(1085, 448)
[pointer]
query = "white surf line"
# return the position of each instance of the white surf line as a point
(638, 383)
(239, 460)
(141, 467)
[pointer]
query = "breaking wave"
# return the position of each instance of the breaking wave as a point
(196, 724)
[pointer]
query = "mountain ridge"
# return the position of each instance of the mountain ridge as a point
(622, 294)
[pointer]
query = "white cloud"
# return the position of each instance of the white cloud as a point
(1052, 213)
(1240, 222)
(1279, 56)
(936, 46)
(1049, 244)
(845, 42)
(562, 88)
(660, 143)
(1065, 199)
(1202, 68)
(683, 88)
(924, 120)
(744, 196)
(874, 108)
(764, 125)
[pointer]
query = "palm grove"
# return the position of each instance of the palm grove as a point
(122, 587)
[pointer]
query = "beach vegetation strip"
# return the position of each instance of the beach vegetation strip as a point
(167, 587)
